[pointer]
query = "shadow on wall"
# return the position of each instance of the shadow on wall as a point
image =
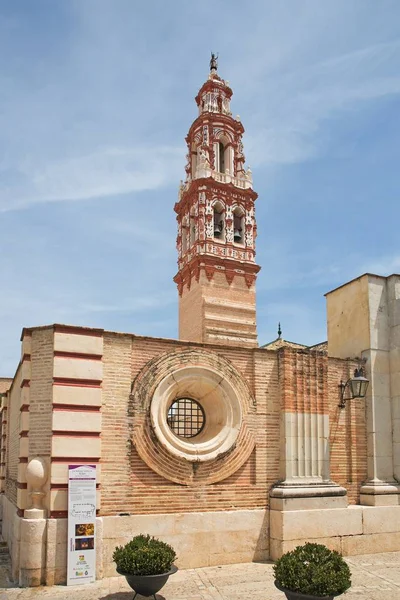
(262, 547)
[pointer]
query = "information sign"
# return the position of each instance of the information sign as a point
(81, 524)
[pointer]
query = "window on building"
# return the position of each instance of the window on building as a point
(186, 417)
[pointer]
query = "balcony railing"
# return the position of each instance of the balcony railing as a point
(243, 183)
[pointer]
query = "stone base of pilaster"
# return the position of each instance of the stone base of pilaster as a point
(319, 503)
(380, 493)
(307, 496)
(32, 552)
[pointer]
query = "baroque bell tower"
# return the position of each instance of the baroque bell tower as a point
(216, 226)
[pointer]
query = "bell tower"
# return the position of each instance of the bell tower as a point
(216, 226)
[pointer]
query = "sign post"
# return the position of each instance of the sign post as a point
(81, 524)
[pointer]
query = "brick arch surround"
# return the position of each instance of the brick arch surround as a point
(151, 447)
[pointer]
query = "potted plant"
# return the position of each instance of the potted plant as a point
(146, 564)
(312, 572)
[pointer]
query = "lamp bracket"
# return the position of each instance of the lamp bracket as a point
(359, 378)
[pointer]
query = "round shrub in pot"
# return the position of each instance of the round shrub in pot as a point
(312, 572)
(146, 563)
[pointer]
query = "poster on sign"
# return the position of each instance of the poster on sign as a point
(81, 524)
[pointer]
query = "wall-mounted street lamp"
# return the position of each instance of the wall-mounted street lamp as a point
(357, 387)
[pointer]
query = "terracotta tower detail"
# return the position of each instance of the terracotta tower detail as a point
(216, 226)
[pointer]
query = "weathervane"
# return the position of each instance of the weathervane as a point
(214, 62)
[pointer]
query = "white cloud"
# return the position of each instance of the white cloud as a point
(106, 172)
(305, 98)
(135, 304)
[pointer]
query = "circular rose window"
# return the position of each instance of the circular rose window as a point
(196, 413)
(186, 418)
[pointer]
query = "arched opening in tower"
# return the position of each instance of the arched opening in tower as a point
(238, 225)
(221, 150)
(219, 233)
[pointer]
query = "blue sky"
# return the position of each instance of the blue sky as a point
(96, 97)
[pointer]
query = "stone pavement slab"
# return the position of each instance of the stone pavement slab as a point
(375, 577)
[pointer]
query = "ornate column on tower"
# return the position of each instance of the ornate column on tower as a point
(216, 226)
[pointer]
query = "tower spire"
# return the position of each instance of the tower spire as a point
(216, 226)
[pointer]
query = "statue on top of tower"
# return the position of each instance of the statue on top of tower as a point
(214, 62)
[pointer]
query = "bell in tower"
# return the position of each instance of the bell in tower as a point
(237, 236)
(216, 226)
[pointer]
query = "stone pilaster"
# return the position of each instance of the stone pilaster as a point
(304, 467)
(383, 418)
(393, 287)
(304, 464)
(34, 527)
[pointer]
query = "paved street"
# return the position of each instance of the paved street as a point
(375, 577)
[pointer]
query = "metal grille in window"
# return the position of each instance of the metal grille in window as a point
(186, 417)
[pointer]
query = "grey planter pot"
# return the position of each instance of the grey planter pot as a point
(148, 585)
(290, 595)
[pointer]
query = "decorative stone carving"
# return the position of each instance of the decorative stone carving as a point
(209, 207)
(226, 107)
(228, 224)
(204, 162)
(36, 477)
(179, 246)
(196, 229)
(209, 227)
(248, 236)
(249, 175)
(205, 135)
(229, 233)
(249, 216)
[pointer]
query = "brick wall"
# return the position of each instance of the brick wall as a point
(44, 408)
(310, 384)
(41, 393)
(304, 381)
(218, 312)
(311, 380)
(266, 388)
(191, 313)
(5, 384)
(129, 485)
